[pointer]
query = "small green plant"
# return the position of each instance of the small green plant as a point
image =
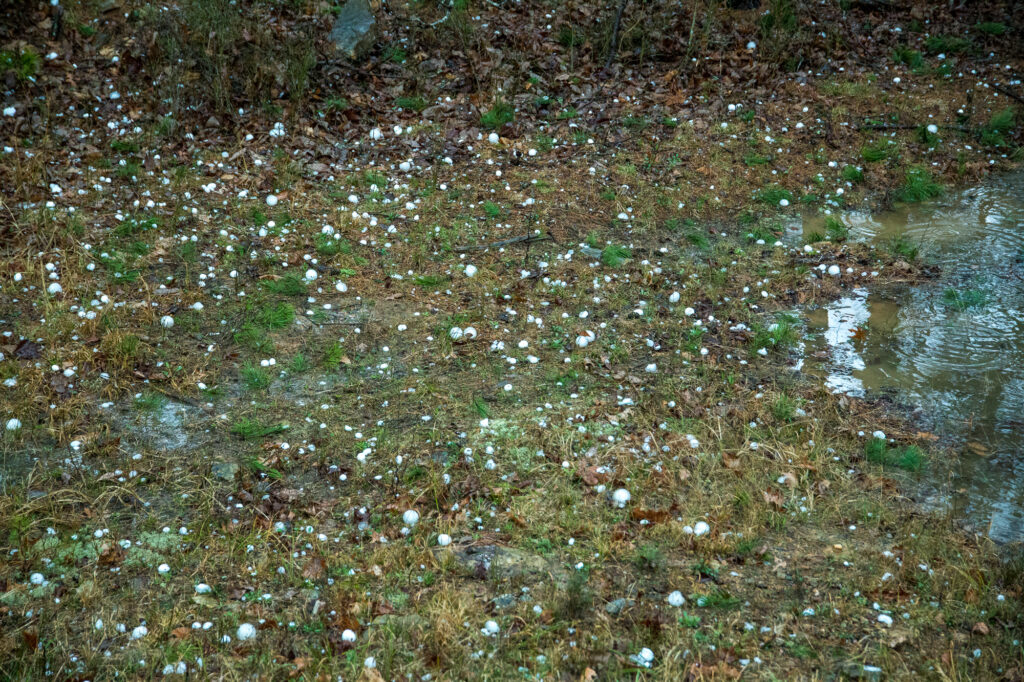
(23, 63)
(613, 256)
(918, 185)
(946, 44)
(992, 133)
(911, 58)
(852, 174)
(411, 103)
(492, 209)
(964, 299)
(334, 355)
(150, 401)
(288, 285)
(784, 408)
(780, 335)
(251, 429)
(650, 557)
(910, 457)
(688, 621)
(570, 36)
(567, 113)
(299, 364)
(835, 229)
(698, 239)
(276, 316)
(577, 599)
(756, 159)
(992, 28)
(880, 151)
(774, 195)
(498, 115)
(335, 104)
(901, 246)
(255, 377)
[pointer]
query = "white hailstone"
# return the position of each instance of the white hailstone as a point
(652, 368)
(341, 286)
(582, 341)
(783, 202)
(197, 306)
(376, 134)
(932, 128)
(166, 321)
(455, 333)
(310, 274)
(701, 528)
(885, 619)
(673, 297)
(688, 312)
(676, 599)
(348, 636)
(490, 628)
(646, 655)
(405, 166)
(410, 517)
(245, 631)
(469, 332)
(54, 288)
(751, 45)
(878, 434)
(621, 497)
(203, 588)
(397, 130)
(140, 632)
(99, 623)
(443, 540)
(369, 662)
(9, 111)
(353, 199)
(762, 351)
(13, 424)
(271, 200)
(37, 579)
(163, 569)
(493, 138)
(470, 270)
(833, 270)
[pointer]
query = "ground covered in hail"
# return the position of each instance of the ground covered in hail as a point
(477, 358)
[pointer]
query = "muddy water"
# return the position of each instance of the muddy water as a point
(953, 346)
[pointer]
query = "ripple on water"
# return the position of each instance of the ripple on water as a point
(963, 365)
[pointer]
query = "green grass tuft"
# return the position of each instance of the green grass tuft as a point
(918, 186)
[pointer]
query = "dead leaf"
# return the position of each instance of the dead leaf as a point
(980, 628)
(789, 479)
(774, 499)
(314, 568)
(731, 461)
(181, 633)
(589, 675)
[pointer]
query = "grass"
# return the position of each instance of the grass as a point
(613, 256)
(947, 44)
(901, 246)
(23, 63)
(497, 116)
(918, 185)
(510, 442)
(772, 196)
(835, 229)
(911, 58)
(992, 28)
(999, 125)
(908, 458)
(963, 299)
(879, 151)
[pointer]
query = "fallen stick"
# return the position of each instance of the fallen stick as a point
(523, 238)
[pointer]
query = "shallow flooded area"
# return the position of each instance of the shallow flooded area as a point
(953, 346)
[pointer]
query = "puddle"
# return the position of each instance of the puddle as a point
(953, 346)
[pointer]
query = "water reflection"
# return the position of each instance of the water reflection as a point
(955, 347)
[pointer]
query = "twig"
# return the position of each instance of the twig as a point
(523, 238)
(909, 126)
(999, 88)
(614, 47)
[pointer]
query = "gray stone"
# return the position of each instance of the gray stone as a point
(504, 601)
(225, 471)
(355, 29)
(617, 606)
(507, 563)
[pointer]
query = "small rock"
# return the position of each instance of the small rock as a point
(225, 471)
(355, 29)
(617, 606)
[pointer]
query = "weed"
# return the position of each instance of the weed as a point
(901, 246)
(569, 36)
(650, 557)
(879, 151)
(577, 599)
(911, 58)
(251, 429)
(24, 63)
(774, 195)
(498, 115)
(780, 335)
(946, 44)
(613, 256)
(150, 401)
(835, 229)
(964, 299)
(276, 316)
(784, 408)
(299, 364)
(910, 458)
(992, 28)
(992, 133)
(918, 186)
(255, 377)
(756, 160)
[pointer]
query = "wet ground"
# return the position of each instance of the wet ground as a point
(953, 346)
